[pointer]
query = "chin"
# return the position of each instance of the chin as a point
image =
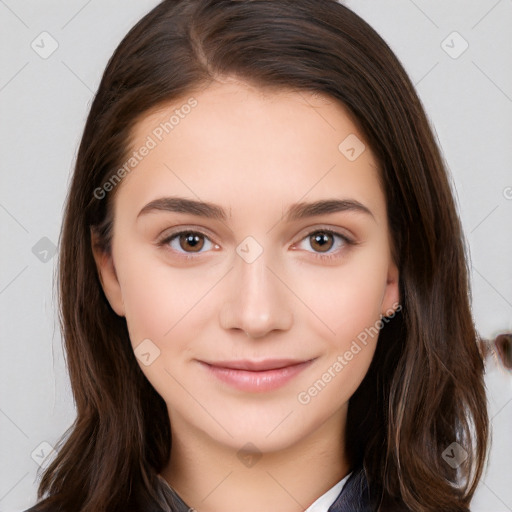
(268, 428)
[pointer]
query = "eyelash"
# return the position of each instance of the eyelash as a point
(347, 241)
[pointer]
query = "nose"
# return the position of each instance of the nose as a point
(257, 301)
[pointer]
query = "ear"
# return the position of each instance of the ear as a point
(391, 299)
(107, 275)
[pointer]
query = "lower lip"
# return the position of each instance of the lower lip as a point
(259, 381)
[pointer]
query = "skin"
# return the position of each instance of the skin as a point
(254, 153)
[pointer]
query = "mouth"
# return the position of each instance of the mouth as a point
(256, 376)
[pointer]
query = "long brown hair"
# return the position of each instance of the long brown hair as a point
(424, 390)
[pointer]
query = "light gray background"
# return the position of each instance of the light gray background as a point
(44, 103)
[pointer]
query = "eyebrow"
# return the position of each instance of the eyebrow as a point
(296, 211)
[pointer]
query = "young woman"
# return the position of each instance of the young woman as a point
(263, 286)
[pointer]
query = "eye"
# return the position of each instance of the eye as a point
(326, 243)
(188, 242)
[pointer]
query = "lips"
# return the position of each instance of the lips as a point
(256, 366)
(256, 376)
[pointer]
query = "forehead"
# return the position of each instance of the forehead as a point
(233, 143)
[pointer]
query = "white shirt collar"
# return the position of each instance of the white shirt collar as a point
(323, 503)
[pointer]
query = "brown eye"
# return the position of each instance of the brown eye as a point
(326, 244)
(321, 241)
(191, 242)
(188, 243)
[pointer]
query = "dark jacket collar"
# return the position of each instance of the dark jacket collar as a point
(354, 497)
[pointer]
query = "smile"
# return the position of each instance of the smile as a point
(252, 376)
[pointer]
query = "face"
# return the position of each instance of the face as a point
(251, 313)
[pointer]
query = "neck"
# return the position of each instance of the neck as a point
(212, 477)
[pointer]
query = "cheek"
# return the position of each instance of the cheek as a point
(167, 307)
(162, 303)
(149, 306)
(346, 299)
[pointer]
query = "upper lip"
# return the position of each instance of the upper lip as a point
(256, 366)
